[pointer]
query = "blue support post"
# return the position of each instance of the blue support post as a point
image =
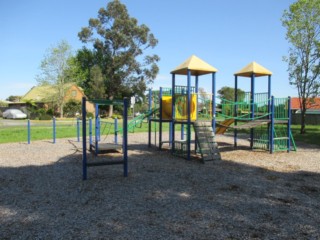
(97, 130)
(54, 129)
(269, 92)
(182, 131)
(252, 96)
(196, 90)
(182, 125)
(155, 133)
(170, 134)
(84, 140)
(160, 120)
(125, 137)
(197, 102)
(235, 132)
(78, 129)
(272, 126)
(149, 132)
(213, 114)
(269, 106)
(116, 130)
(149, 117)
(189, 116)
(90, 132)
(29, 131)
(150, 103)
(289, 124)
(252, 108)
(173, 104)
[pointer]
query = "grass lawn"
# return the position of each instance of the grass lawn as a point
(43, 130)
(312, 135)
(39, 130)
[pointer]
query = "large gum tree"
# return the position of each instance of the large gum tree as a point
(302, 22)
(122, 46)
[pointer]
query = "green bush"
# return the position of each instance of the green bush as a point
(40, 114)
(71, 108)
(45, 117)
(90, 115)
(50, 112)
(3, 104)
(41, 111)
(118, 116)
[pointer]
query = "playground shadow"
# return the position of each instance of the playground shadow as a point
(163, 197)
(227, 147)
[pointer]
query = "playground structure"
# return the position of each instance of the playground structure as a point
(267, 117)
(124, 130)
(184, 111)
(103, 128)
(253, 110)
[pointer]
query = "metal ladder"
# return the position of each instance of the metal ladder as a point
(205, 139)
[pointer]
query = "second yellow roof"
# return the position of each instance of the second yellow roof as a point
(255, 68)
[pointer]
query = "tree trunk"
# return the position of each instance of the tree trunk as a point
(303, 122)
(61, 111)
(110, 107)
(110, 110)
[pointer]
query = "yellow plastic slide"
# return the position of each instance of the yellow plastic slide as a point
(222, 127)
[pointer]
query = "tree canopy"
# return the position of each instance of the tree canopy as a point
(53, 70)
(302, 22)
(228, 93)
(14, 98)
(119, 48)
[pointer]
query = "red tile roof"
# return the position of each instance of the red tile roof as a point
(314, 103)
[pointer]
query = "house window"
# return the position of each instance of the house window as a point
(74, 93)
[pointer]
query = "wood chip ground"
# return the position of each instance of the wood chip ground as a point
(246, 195)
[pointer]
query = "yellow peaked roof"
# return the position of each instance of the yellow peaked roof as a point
(255, 68)
(196, 66)
(44, 92)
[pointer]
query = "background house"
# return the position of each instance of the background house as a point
(45, 96)
(312, 113)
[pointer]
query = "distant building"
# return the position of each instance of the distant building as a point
(46, 96)
(313, 105)
(312, 112)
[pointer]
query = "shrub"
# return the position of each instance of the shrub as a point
(3, 104)
(118, 116)
(41, 111)
(45, 117)
(50, 112)
(90, 115)
(71, 108)
(40, 114)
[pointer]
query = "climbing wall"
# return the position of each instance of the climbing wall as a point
(205, 140)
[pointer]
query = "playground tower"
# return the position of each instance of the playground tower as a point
(252, 71)
(182, 104)
(267, 118)
(196, 67)
(262, 109)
